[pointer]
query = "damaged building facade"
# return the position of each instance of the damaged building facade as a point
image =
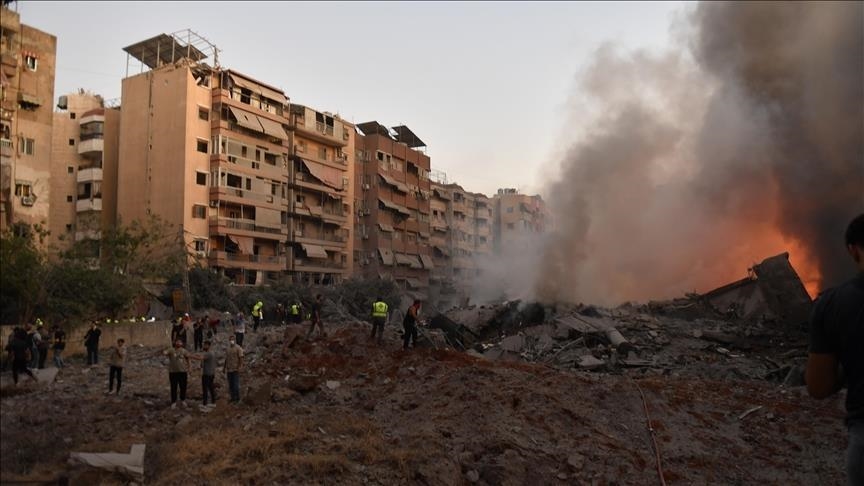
(27, 64)
(392, 190)
(517, 214)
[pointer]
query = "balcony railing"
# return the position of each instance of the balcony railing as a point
(249, 195)
(309, 262)
(7, 148)
(246, 225)
(88, 204)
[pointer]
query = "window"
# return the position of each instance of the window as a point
(380, 156)
(68, 227)
(510, 209)
(31, 62)
(71, 142)
(28, 146)
(301, 199)
(509, 225)
(200, 245)
(71, 116)
(257, 155)
(70, 169)
(23, 189)
(322, 153)
(199, 211)
(248, 184)
(203, 114)
(202, 146)
(201, 178)
(68, 198)
(244, 151)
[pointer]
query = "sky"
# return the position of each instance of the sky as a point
(485, 85)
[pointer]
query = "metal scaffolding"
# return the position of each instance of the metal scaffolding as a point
(171, 48)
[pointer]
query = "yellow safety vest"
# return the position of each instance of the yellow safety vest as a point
(256, 311)
(379, 309)
(295, 309)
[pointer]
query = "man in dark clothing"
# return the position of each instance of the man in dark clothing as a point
(410, 324)
(208, 374)
(19, 354)
(316, 317)
(91, 342)
(837, 349)
(59, 346)
(198, 332)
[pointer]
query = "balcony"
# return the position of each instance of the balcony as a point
(88, 235)
(318, 265)
(260, 168)
(7, 148)
(245, 197)
(319, 239)
(91, 147)
(251, 262)
(318, 131)
(93, 174)
(89, 204)
(247, 225)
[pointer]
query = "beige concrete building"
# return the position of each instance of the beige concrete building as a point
(27, 62)
(85, 145)
(259, 187)
(321, 196)
(393, 190)
(517, 214)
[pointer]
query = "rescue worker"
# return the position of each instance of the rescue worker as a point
(379, 318)
(296, 313)
(257, 314)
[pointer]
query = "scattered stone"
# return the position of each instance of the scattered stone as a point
(589, 362)
(513, 343)
(472, 476)
(260, 394)
(303, 383)
(576, 461)
(331, 384)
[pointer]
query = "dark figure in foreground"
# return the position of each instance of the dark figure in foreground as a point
(91, 342)
(409, 324)
(837, 350)
(316, 318)
(19, 354)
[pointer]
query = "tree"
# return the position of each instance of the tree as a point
(23, 273)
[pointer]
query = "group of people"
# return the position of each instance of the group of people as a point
(179, 366)
(28, 347)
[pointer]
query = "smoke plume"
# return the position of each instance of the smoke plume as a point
(745, 142)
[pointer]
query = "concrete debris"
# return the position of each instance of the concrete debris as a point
(131, 464)
(589, 362)
(332, 384)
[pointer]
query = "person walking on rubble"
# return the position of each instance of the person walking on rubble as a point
(409, 324)
(316, 318)
(208, 375)
(232, 368)
(19, 354)
(837, 350)
(91, 342)
(198, 333)
(239, 328)
(257, 315)
(116, 362)
(59, 345)
(178, 372)
(33, 340)
(379, 318)
(296, 313)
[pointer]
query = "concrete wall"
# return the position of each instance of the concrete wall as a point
(145, 333)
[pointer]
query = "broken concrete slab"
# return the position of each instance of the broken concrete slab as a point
(131, 464)
(589, 362)
(513, 343)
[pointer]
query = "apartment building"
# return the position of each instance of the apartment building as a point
(393, 194)
(84, 150)
(206, 149)
(461, 235)
(321, 196)
(27, 62)
(516, 215)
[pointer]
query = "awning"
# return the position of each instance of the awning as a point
(427, 262)
(425, 235)
(415, 261)
(246, 120)
(327, 175)
(402, 259)
(245, 243)
(414, 283)
(438, 227)
(386, 256)
(272, 128)
(385, 227)
(314, 251)
(395, 207)
(316, 210)
(262, 90)
(29, 99)
(393, 182)
(442, 194)
(302, 210)
(444, 251)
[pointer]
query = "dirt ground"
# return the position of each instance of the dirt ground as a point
(344, 411)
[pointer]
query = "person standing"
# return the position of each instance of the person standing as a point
(296, 316)
(188, 330)
(178, 372)
(409, 324)
(837, 349)
(59, 345)
(33, 338)
(239, 328)
(116, 362)
(316, 318)
(43, 344)
(233, 366)
(198, 333)
(91, 342)
(379, 318)
(19, 354)
(208, 374)
(257, 315)
(177, 329)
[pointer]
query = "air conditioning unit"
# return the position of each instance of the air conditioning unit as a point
(28, 200)
(214, 204)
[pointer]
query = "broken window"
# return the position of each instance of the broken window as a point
(270, 158)
(202, 146)
(31, 62)
(234, 181)
(199, 211)
(203, 114)
(245, 96)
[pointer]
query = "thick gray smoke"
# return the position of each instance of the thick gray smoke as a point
(746, 142)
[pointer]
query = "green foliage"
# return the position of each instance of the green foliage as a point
(22, 276)
(209, 290)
